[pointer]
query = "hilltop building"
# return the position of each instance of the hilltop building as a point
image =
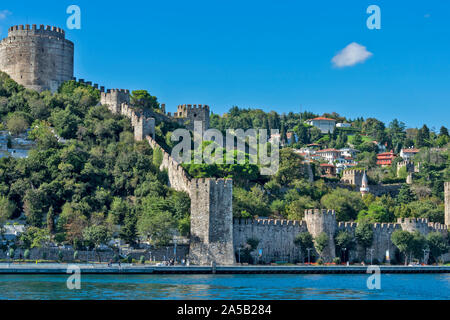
(408, 154)
(327, 170)
(325, 125)
(385, 159)
(329, 154)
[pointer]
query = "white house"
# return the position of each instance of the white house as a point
(407, 154)
(325, 125)
(329, 154)
(348, 152)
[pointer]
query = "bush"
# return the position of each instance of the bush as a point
(320, 261)
(337, 260)
(26, 254)
(142, 260)
(44, 255)
(75, 255)
(60, 256)
(129, 259)
(11, 253)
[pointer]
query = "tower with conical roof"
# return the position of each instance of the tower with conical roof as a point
(364, 185)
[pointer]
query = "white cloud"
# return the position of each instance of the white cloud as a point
(352, 54)
(4, 14)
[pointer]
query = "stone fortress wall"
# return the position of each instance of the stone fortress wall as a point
(353, 177)
(211, 199)
(39, 58)
(276, 237)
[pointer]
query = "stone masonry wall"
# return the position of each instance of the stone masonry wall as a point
(276, 238)
(39, 58)
(211, 222)
(211, 199)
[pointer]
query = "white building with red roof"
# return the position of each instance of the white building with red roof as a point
(325, 125)
(407, 154)
(329, 154)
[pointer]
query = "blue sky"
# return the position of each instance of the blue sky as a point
(273, 55)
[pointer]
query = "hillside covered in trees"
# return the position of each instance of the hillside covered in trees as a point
(87, 179)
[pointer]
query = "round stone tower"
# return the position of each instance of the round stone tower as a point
(37, 58)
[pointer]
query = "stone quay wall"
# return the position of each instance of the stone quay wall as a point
(153, 254)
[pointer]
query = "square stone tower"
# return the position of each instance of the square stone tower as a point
(211, 222)
(447, 203)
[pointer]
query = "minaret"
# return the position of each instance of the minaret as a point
(364, 185)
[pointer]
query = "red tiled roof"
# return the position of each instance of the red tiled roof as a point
(410, 150)
(326, 165)
(327, 150)
(322, 118)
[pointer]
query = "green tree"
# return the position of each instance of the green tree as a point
(344, 239)
(290, 168)
(403, 240)
(321, 242)
(437, 244)
(34, 237)
(364, 235)
(375, 213)
(96, 235)
(65, 123)
(141, 98)
(17, 124)
(128, 232)
(7, 209)
(51, 220)
(304, 240)
(405, 195)
(157, 226)
(346, 203)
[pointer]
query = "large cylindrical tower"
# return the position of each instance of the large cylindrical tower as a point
(37, 58)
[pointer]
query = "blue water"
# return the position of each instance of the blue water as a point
(393, 286)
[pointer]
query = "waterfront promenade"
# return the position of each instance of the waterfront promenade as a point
(62, 268)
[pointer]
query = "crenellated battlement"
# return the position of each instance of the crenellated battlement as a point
(184, 109)
(322, 212)
(269, 222)
(353, 177)
(115, 100)
(353, 171)
(34, 30)
(412, 220)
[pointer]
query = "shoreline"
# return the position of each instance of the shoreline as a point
(56, 268)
